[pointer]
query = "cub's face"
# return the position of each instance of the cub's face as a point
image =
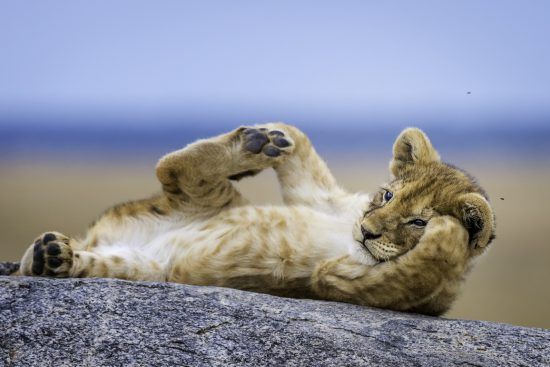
(392, 224)
(423, 188)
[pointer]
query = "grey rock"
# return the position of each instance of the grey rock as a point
(107, 322)
(8, 268)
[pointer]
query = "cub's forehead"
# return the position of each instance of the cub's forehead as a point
(416, 205)
(423, 211)
(394, 185)
(436, 176)
(435, 186)
(408, 200)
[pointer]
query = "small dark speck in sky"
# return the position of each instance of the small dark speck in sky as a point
(468, 92)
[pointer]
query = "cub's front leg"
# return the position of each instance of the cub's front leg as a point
(305, 178)
(424, 280)
(199, 176)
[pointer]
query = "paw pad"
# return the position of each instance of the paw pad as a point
(280, 142)
(255, 142)
(271, 143)
(52, 255)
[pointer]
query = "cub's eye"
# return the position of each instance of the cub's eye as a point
(388, 195)
(418, 222)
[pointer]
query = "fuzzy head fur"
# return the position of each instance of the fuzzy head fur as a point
(423, 188)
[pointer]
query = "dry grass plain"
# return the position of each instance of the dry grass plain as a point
(510, 284)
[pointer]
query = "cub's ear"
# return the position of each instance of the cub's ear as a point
(411, 146)
(478, 218)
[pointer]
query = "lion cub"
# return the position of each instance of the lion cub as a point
(406, 248)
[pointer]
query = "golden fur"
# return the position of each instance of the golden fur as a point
(406, 248)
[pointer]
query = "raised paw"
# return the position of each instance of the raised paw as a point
(52, 255)
(271, 143)
(444, 237)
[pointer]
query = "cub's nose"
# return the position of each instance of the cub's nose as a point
(368, 235)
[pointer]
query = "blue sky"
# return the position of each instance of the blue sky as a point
(462, 62)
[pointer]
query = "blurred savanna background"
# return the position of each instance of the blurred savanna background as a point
(93, 93)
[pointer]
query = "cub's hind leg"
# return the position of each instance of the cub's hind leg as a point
(121, 264)
(198, 177)
(55, 255)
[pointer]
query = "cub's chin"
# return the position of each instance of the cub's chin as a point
(371, 249)
(362, 255)
(376, 249)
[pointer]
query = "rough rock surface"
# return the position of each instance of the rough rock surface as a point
(106, 322)
(8, 268)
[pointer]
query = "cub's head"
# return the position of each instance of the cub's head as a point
(423, 188)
